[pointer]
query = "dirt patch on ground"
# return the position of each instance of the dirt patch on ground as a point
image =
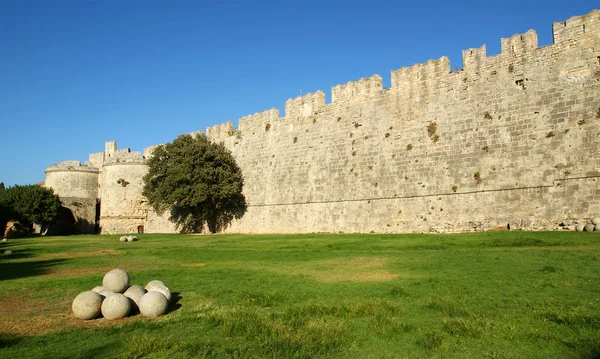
(27, 316)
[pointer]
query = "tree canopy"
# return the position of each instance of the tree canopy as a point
(199, 181)
(29, 204)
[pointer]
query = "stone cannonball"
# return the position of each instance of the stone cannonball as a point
(153, 304)
(589, 227)
(163, 290)
(86, 305)
(123, 239)
(98, 289)
(116, 306)
(154, 283)
(116, 280)
(135, 293)
(597, 228)
(106, 293)
(579, 227)
(596, 220)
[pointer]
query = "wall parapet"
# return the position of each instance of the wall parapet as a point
(357, 91)
(71, 165)
(304, 106)
(258, 122)
(220, 132)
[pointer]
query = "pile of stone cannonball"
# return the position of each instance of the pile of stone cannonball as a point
(128, 239)
(590, 227)
(116, 299)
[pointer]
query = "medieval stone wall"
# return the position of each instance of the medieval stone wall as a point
(510, 139)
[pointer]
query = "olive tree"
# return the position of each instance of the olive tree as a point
(198, 181)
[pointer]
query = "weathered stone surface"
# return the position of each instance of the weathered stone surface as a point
(596, 220)
(135, 293)
(115, 306)
(123, 239)
(98, 289)
(153, 304)
(4, 240)
(589, 227)
(596, 227)
(106, 293)
(87, 305)
(14, 229)
(154, 283)
(163, 290)
(580, 227)
(116, 280)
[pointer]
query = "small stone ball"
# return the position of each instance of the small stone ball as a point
(123, 239)
(579, 227)
(153, 304)
(589, 227)
(106, 293)
(7, 252)
(154, 283)
(135, 293)
(596, 220)
(597, 228)
(4, 240)
(163, 290)
(116, 306)
(86, 305)
(116, 280)
(98, 289)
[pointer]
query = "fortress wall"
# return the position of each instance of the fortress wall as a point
(509, 139)
(122, 207)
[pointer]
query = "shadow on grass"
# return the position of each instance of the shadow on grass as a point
(9, 340)
(12, 268)
(174, 305)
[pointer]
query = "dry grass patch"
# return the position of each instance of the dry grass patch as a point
(66, 255)
(362, 269)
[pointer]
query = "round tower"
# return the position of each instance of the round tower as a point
(77, 187)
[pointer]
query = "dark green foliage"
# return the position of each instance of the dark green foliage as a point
(198, 181)
(29, 204)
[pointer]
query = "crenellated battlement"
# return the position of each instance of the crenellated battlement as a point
(71, 165)
(585, 27)
(113, 155)
(419, 81)
(356, 91)
(258, 121)
(417, 74)
(220, 132)
(519, 45)
(304, 106)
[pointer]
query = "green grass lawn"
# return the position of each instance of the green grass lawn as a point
(480, 295)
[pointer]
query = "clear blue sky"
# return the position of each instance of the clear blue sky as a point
(75, 74)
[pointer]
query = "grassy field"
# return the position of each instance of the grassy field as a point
(481, 295)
